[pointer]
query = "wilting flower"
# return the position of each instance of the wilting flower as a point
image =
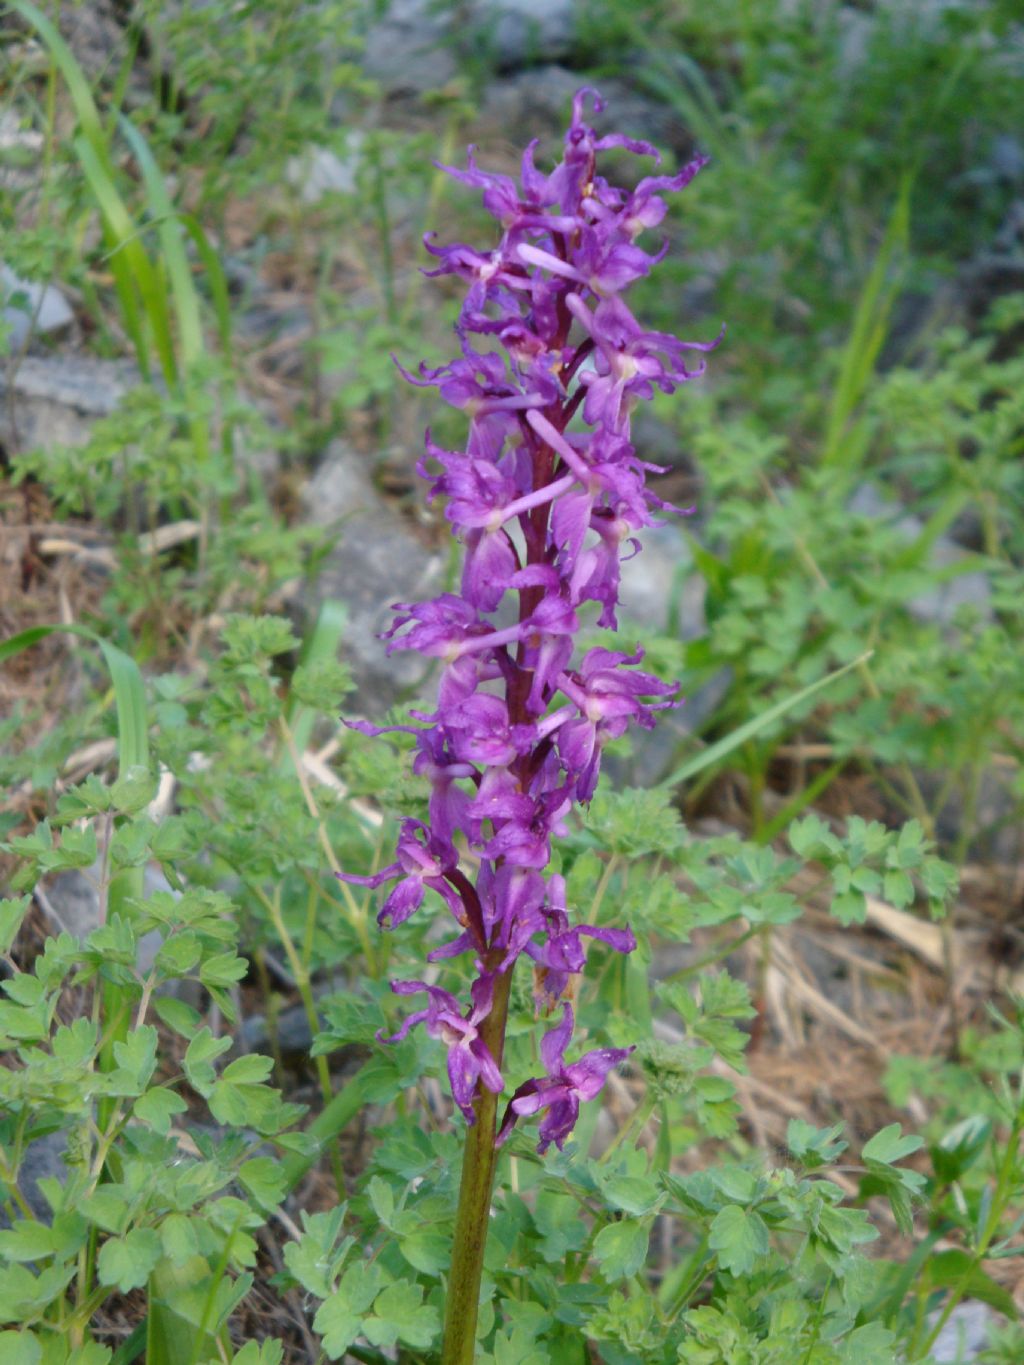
(544, 496)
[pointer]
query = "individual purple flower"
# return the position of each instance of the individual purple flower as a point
(564, 1086)
(469, 1058)
(423, 860)
(548, 497)
(629, 361)
(609, 694)
(562, 956)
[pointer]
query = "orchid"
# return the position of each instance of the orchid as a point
(547, 497)
(543, 505)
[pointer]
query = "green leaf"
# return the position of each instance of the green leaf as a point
(238, 1098)
(133, 790)
(199, 1057)
(739, 1237)
(157, 1108)
(631, 1194)
(849, 908)
(960, 1147)
(177, 1015)
(179, 1238)
(179, 953)
(27, 1241)
(20, 1348)
(635, 821)
(868, 333)
(224, 970)
(339, 1319)
(956, 1269)
(265, 1180)
(127, 1262)
(106, 1207)
(897, 888)
(23, 1295)
(739, 1185)
(136, 1057)
(845, 1228)
(811, 837)
(399, 1315)
(382, 1197)
(518, 1347)
(887, 1146)
(174, 256)
(316, 1259)
(259, 1353)
(621, 1248)
(873, 1343)
(814, 1146)
(92, 1353)
(12, 913)
(426, 1250)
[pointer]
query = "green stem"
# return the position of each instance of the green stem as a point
(1006, 1178)
(695, 1273)
(463, 1301)
(633, 1126)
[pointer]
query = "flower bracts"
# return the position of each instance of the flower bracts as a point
(545, 494)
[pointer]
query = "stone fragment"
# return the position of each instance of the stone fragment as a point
(54, 401)
(30, 309)
(376, 560)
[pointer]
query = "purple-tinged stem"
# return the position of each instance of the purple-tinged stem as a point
(462, 1304)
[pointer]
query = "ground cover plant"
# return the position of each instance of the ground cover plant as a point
(782, 927)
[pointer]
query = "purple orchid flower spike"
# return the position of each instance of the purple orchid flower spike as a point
(548, 496)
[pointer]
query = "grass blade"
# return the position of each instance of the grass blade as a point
(322, 643)
(699, 762)
(215, 277)
(78, 87)
(183, 290)
(867, 335)
(129, 691)
(134, 273)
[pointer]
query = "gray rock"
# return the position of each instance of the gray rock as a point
(515, 32)
(940, 604)
(318, 171)
(965, 1335)
(660, 577)
(405, 52)
(412, 48)
(661, 592)
(43, 1160)
(30, 308)
(1007, 158)
(55, 400)
(71, 903)
(998, 835)
(291, 1028)
(377, 560)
